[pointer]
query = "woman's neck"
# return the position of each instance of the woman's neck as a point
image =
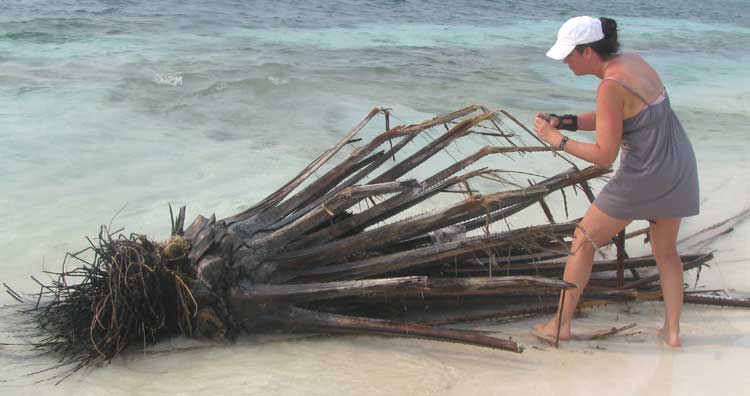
(601, 70)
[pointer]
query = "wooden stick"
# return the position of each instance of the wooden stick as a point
(439, 120)
(330, 179)
(304, 318)
(461, 129)
(279, 194)
(720, 301)
(606, 333)
(620, 257)
(564, 157)
(348, 182)
(559, 319)
(382, 211)
(702, 259)
(402, 260)
(250, 295)
(328, 209)
(564, 179)
(393, 232)
(524, 264)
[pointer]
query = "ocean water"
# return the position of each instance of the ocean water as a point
(111, 110)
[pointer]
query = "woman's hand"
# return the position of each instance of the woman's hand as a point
(554, 121)
(546, 131)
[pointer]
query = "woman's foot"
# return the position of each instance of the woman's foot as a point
(670, 338)
(549, 330)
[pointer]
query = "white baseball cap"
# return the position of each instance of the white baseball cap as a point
(575, 31)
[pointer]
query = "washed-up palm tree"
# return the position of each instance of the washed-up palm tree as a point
(334, 247)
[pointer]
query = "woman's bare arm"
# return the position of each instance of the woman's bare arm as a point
(587, 121)
(609, 116)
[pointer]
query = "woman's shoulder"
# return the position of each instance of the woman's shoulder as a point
(633, 79)
(628, 63)
(631, 56)
(632, 70)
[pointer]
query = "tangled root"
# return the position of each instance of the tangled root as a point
(132, 291)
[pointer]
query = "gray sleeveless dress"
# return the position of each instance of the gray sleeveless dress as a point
(658, 174)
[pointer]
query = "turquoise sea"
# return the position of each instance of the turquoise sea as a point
(118, 108)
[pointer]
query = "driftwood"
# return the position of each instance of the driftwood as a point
(309, 257)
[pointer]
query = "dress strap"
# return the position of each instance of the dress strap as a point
(631, 90)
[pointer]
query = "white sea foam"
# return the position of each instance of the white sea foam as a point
(173, 80)
(278, 80)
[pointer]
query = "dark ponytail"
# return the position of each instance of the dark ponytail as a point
(607, 47)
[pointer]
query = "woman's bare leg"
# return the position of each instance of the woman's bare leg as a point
(600, 228)
(664, 246)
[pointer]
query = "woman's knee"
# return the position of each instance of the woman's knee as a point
(665, 253)
(663, 236)
(582, 243)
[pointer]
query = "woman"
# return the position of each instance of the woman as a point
(657, 179)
